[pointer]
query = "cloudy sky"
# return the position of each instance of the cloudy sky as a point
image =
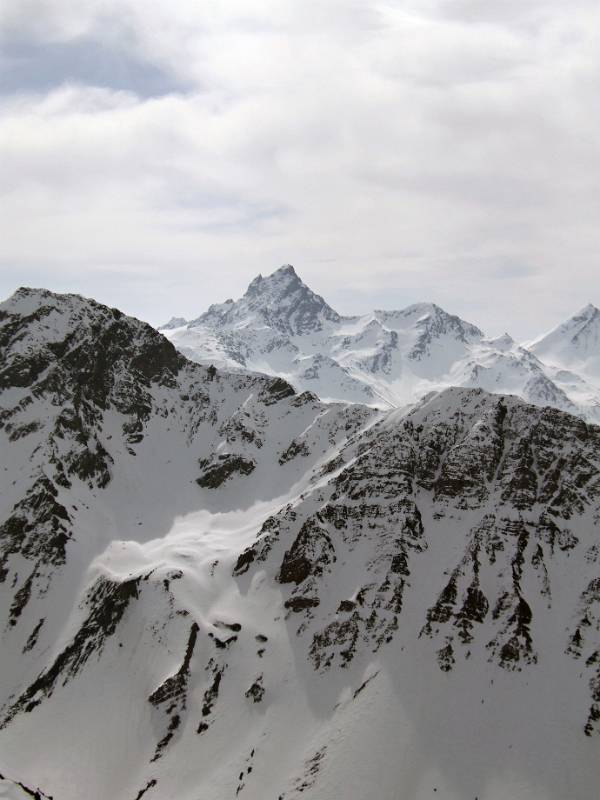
(158, 155)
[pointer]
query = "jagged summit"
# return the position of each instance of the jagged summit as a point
(275, 287)
(286, 275)
(281, 301)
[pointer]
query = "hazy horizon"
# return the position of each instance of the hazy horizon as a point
(195, 312)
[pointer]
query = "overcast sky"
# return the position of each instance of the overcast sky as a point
(157, 155)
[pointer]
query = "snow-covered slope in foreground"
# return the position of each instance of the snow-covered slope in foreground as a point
(213, 587)
(389, 358)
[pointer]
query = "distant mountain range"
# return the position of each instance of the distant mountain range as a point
(390, 359)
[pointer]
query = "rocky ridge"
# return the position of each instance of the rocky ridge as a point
(389, 359)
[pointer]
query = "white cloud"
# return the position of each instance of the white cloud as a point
(393, 151)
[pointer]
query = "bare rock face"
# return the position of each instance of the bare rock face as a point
(171, 695)
(217, 470)
(513, 478)
(583, 646)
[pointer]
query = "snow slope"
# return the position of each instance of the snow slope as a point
(389, 359)
(213, 587)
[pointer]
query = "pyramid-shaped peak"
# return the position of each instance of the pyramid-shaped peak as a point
(576, 341)
(587, 312)
(281, 279)
(280, 300)
(574, 323)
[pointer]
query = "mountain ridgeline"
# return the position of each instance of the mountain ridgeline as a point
(390, 359)
(216, 585)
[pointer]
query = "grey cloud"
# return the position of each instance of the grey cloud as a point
(394, 152)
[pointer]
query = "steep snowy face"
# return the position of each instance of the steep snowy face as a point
(421, 341)
(215, 587)
(390, 359)
(430, 324)
(575, 343)
(517, 371)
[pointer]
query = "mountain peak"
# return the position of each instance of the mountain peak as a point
(174, 322)
(29, 300)
(29, 294)
(587, 312)
(575, 341)
(282, 279)
(281, 301)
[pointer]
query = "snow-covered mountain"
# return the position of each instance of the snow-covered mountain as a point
(389, 359)
(281, 302)
(573, 346)
(215, 587)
